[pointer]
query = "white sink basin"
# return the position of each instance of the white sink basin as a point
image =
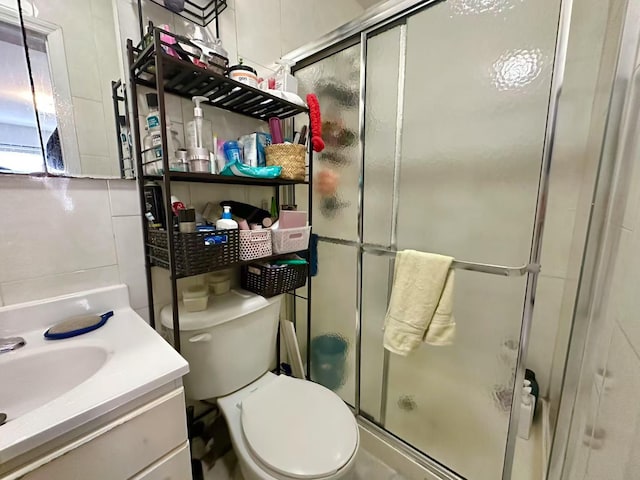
(50, 389)
(32, 378)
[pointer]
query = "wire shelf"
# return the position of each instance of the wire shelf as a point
(184, 78)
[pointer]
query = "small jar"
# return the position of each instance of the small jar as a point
(243, 74)
(195, 298)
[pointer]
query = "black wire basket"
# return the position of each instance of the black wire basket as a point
(196, 253)
(271, 280)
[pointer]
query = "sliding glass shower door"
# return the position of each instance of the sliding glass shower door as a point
(441, 152)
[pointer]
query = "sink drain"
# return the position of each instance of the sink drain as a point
(3, 418)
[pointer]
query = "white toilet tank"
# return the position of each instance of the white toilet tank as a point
(228, 345)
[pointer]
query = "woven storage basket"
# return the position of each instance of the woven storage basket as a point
(289, 240)
(291, 157)
(255, 244)
(269, 281)
(195, 252)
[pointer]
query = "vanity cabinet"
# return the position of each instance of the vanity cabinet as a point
(148, 443)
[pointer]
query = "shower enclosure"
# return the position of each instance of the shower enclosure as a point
(436, 120)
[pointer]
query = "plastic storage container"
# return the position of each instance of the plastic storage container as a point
(219, 282)
(289, 240)
(270, 280)
(195, 298)
(255, 244)
(196, 253)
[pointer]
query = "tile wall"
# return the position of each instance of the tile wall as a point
(63, 235)
(607, 430)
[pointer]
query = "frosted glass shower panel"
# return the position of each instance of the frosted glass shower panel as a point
(333, 313)
(336, 82)
(376, 278)
(452, 402)
(476, 98)
(382, 76)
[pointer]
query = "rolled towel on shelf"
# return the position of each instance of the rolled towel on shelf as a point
(420, 308)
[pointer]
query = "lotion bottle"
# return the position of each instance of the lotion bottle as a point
(226, 222)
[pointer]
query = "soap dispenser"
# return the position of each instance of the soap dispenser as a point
(199, 133)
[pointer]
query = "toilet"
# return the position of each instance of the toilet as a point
(281, 428)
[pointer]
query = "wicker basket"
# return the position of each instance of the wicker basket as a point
(291, 157)
(196, 253)
(255, 244)
(269, 281)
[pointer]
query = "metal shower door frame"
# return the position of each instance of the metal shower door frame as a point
(359, 31)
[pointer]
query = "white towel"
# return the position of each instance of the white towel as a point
(420, 308)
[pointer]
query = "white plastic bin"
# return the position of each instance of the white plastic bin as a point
(255, 244)
(290, 239)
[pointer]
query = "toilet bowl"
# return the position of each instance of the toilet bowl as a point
(284, 428)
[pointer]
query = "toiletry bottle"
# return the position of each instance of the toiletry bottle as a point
(199, 132)
(154, 208)
(125, 145)
(152, 153)
(153, 117)
(154, 129)
(226, 222)
(526, 414)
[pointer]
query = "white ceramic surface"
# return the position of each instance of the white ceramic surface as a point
(63, 384)
(310, 446)
(229, 345)
(39, 375)
(252, 468)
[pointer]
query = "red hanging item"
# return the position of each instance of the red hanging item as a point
(316, 123)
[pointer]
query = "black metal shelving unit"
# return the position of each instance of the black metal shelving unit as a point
(151, 65)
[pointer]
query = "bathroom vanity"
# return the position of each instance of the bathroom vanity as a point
(108, 404)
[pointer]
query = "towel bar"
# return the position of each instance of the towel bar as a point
(501, 270)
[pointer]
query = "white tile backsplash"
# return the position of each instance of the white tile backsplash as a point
(80, 245)
(135, 278)
(129, 240)
(123, 196)
(74, 231)
(59, 284)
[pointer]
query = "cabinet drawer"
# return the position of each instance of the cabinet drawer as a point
(174, 466)
(122, 448)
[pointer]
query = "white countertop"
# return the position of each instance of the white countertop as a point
(138, 362)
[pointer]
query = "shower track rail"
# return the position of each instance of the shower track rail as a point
(501, 270)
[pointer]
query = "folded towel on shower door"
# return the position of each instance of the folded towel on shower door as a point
(420, 308)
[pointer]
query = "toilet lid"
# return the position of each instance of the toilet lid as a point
(298, 428)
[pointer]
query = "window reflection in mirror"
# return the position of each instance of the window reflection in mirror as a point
(73, 54)
(20, 144)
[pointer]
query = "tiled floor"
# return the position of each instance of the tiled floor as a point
(367, 468)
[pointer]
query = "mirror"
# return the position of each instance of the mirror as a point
(73, 58)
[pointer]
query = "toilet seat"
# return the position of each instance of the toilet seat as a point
(298, 429)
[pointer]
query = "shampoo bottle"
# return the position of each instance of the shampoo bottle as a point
(226, 222)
